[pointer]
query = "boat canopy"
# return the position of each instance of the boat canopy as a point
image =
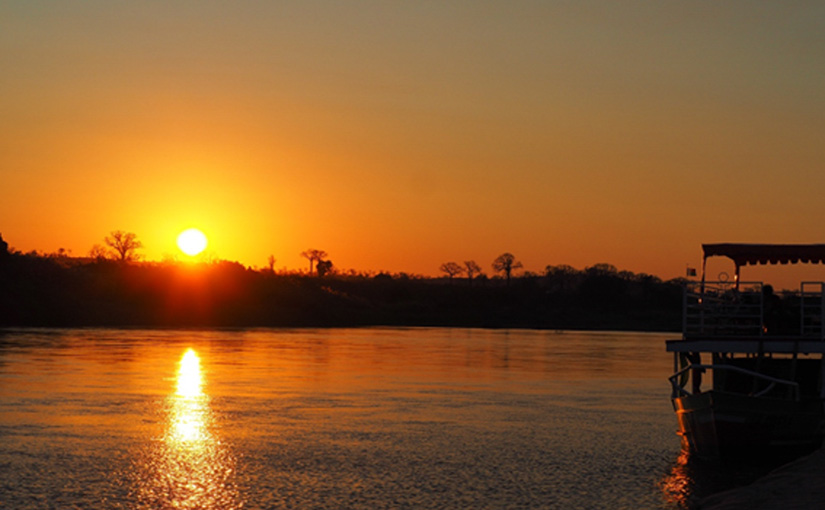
(745, 254)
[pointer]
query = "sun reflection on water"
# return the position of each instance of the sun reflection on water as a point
(190, 468)
(189, 406)
(189, 375)
(678, 484)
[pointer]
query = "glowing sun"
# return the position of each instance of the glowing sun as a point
(192, 241)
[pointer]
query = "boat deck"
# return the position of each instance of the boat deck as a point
(748, 345)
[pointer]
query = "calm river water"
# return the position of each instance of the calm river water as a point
(337, 418)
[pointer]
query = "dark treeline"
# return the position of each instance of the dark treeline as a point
(56, 290)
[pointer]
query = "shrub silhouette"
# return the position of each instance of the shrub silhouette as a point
(43, 290)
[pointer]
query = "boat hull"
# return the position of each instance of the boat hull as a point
(720, 425)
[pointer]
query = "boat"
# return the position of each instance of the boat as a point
(748, 375)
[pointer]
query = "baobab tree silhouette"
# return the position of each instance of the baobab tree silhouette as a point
(505, 263)
(313, 256)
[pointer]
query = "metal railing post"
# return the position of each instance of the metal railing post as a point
(821, 312)
(685, 311)
(802, 309)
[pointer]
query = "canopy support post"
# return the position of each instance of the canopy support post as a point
(702, 285)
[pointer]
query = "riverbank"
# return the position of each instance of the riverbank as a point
(797, 485)
(58, 292)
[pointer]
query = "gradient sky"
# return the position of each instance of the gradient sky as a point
(400, 135)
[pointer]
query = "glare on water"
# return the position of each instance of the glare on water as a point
(189, 375)
(189, 410)
(190, 469)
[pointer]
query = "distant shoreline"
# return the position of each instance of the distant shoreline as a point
(43, 291)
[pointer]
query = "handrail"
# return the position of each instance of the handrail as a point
(773, 380)
(721, 309)
(812, 316)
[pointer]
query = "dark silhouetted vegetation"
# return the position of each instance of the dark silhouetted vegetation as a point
(451, 268)
(506, 263)
(472, 269)
(314, 256)
(323, 268)
(58, 290)
(123, 245)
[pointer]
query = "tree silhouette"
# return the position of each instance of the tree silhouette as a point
(604, 286)
(98, 252)
(563, 277)
(505, 263)
(472, 269)
(451, 268)
(271, 263)
(124, 245)
(323, 267)
(313, 256)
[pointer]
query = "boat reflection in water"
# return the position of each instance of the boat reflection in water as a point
(678, 485)
(691, 479)
(189, 468)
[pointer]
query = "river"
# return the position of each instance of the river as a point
(337, 418)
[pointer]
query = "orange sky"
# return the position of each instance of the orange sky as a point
(400, 135)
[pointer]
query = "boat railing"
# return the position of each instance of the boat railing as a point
(722, 309)
(680, 379)
(812, 305)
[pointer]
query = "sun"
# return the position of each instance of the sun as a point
(192, 241)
